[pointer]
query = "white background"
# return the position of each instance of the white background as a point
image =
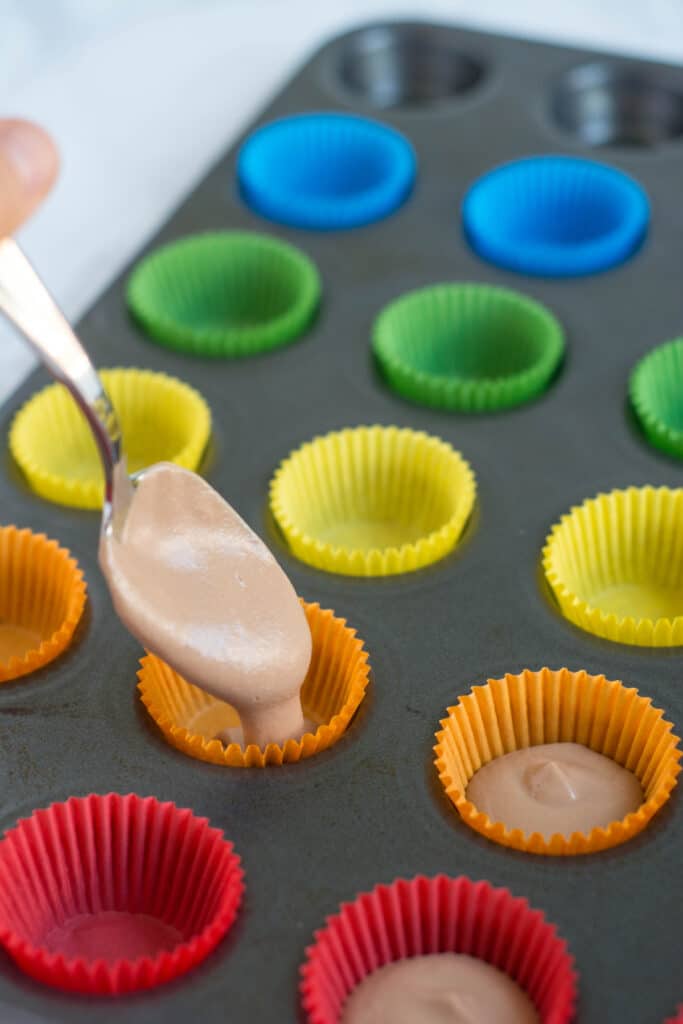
(143, 95)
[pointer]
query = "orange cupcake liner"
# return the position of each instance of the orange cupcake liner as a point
(331, 693)
(42, 596)
(549, 706)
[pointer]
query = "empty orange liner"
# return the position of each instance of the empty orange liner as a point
(332, 691)
(42, 596)
(554, 707)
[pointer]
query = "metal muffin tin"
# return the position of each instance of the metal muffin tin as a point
(371, 809)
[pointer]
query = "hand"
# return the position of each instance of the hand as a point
(28, 167)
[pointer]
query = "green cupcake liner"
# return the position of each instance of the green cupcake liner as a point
(467, 347)
(226, 293)
(656, 391)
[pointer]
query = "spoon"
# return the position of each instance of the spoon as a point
(224, 614)
(25, 300)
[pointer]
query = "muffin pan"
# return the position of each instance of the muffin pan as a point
(371, 809)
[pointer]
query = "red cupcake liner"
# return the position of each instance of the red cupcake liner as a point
(438, 915)
(678, 1018)
(155, 888)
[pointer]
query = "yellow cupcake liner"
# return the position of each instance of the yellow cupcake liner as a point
(162, 419)
(615, 565)
(42, 596)
(333, 689)
(548, 706)
(373, 501)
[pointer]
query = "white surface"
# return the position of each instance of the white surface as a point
(142, 95)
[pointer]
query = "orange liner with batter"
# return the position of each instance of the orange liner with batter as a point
(551, 707)
(335, 685)
(42, 596)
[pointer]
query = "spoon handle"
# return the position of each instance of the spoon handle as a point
(27, 303)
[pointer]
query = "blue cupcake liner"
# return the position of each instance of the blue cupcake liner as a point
(325, 171)
(555, 216)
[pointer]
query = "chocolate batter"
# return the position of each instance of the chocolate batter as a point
(199, 589)
(555, 788)
(444, 988)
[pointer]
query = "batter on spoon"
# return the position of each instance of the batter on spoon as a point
(198, 588)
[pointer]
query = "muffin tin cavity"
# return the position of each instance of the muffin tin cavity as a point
(325, 171)
(162, 419)
(555, 216)
(535, 708)
(228, 293)
(467, 347)
(413, 66)
(331, 693)
(615, 565)
(605, 104)
(373, 501)
(656, 390)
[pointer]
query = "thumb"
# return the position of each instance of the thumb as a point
(28, 168)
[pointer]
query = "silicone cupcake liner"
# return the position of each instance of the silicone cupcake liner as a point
(109, 894)
(615, 565)
(467, 347)
(421, 916)
(42, 596)
(325, 171)
(162, 419)
(372, 501)
(191, 719)
(229, 293)
(655, 388)
(526, 710)
(555, 216)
